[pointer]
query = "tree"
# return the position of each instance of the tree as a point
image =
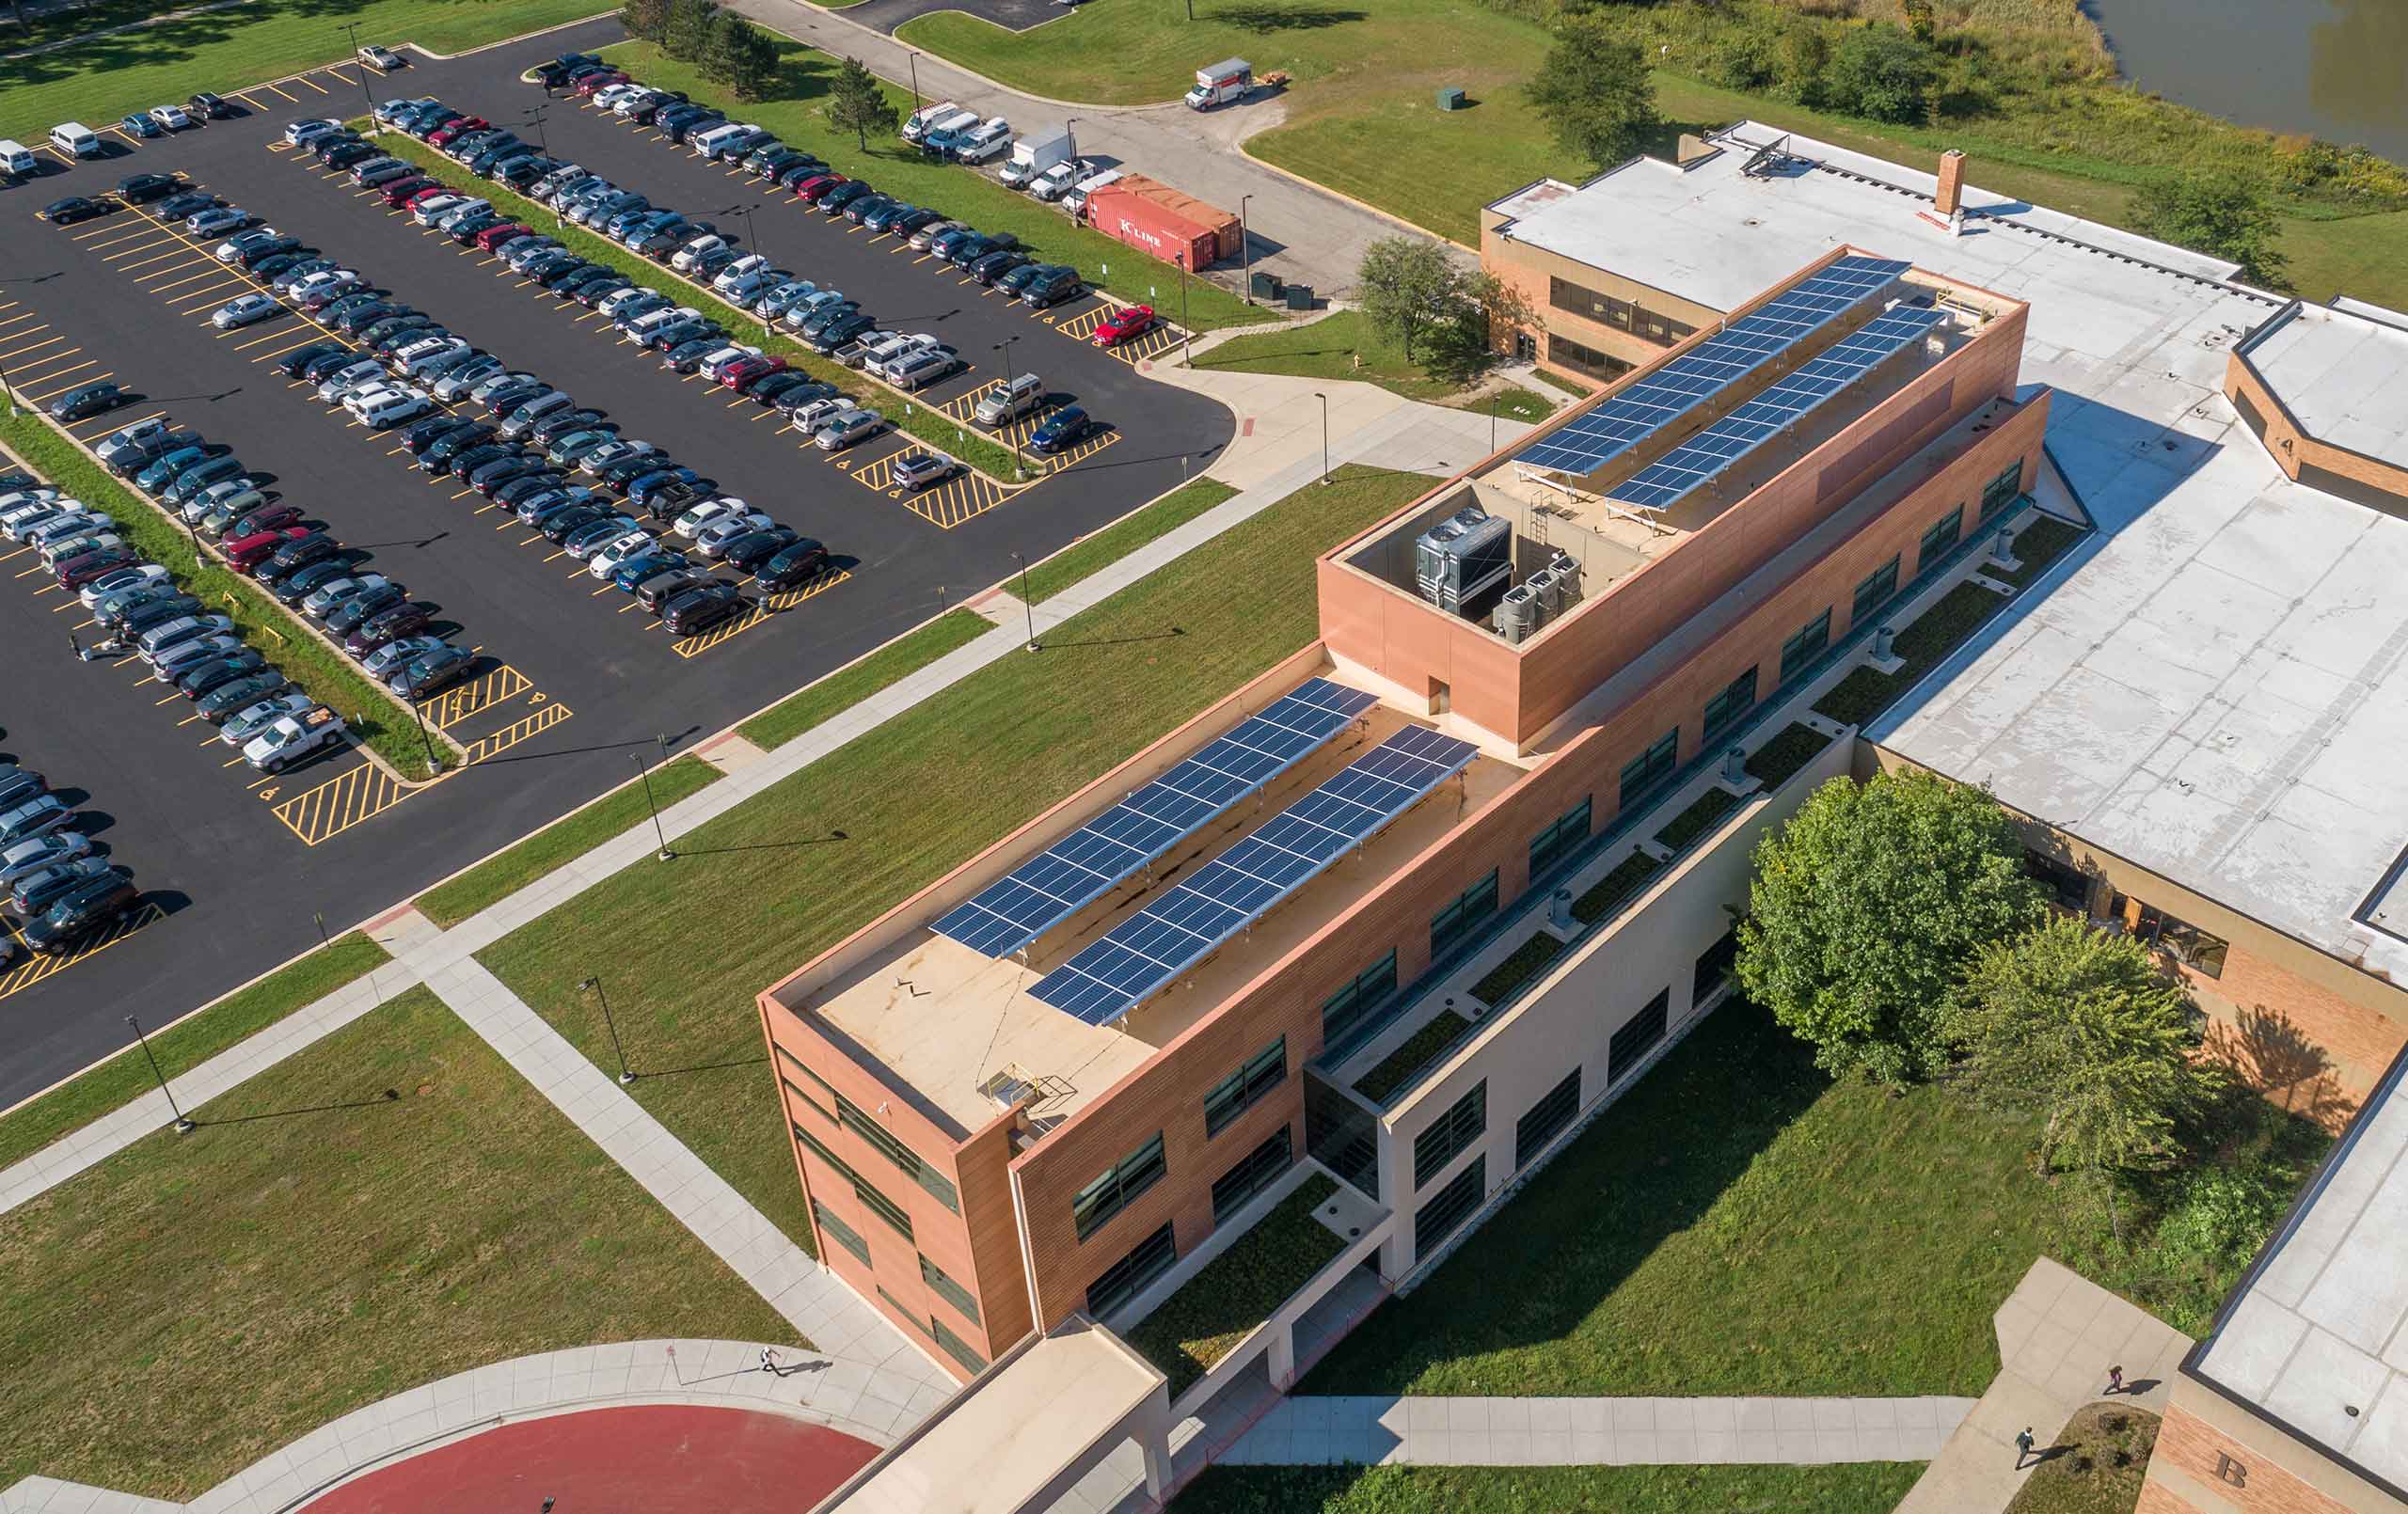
(1406, 285)
(2221, 212)
(742, 57)
(1805, 53)
(685, 30)
(857, 101)
(1880, 72)
(1866, 908)
(645, 19)
(2080, 1027)
(1595, 91)
(1923, 19)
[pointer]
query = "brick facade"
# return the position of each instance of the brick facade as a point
(1531, 271)
(2295, 451)
(2199, 1468)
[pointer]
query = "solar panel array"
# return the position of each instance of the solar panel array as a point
(1590, 440)
(1735, 435)
(1085, 865)
(1106, 979)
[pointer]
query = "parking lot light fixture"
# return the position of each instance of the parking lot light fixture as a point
(1010, 429)
(1027, 608)
(1324, 435)
(184, 1124)
(353, 27)
(644, 769)
(593, 986)
(410, 695)
(1246, 252)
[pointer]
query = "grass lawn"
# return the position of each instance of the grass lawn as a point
(2095, 1465)
(1344, 345)
(1511, 402)
(1100, 549)
(98, 81)
(1850, 1243)
(198, 1038)
(847, 686)
(683, 947)
(198, 1300)
(1196, 1328)
(1869, 1488)
(623, 809)
(793, 111)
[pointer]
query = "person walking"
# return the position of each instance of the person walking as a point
(2022, 1447)
(2114, 1380)
(770, 1362)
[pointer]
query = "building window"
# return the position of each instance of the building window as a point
(1450, 1135)
(1874, 591)
(1714, 966)
(1798, 652)
(796, 1090)
(1620, 314)
(841, 1233)
(1550, 1114)
(1127, 1277)
(826, 1098)
(1566, 353)
(947, 1289)
(2001, 491)
(955, 1347)
(1449, 926)
(1942, 535)
(2185, 942)
(1436, 1219)
(1116, 1185)
(1255, 1171)
(1346, 1010)
(2063, 882)
(1630, 1043)
(1650, 768)
(1560, 839)
(1726, 709)
(1244, 1088)
(872, 1200)
(858, 1121)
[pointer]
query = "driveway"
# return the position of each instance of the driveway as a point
(1012, 15)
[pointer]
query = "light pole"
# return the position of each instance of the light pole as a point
(1186, 332)
(644, 769)
(184, 1125)
(353, 27)
(1030, 610)
(1324, 435)
(1492, 423)
(593, 986)
(753, 236)
(1245, 251)
(1010, 428)
(915, 84)
(410, 694)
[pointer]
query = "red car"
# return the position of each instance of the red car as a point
(744, 370)
(265, 518)
(246, 552)
(494, 236)
(604, 80)
(418, 196)
(1128, 322)
(811, 190)
(82, 568)
(442, 134)
(402, 192)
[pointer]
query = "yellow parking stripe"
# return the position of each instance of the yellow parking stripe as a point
(35, 968)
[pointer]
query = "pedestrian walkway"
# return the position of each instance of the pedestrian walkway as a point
(1556, 1432)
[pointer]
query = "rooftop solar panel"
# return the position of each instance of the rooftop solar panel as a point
(1085, 865)
(1719, 445)
(1106, 979)
(1588, 441)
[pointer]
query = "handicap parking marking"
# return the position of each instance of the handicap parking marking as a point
(328, 808)
(35, 968)
(478, 694)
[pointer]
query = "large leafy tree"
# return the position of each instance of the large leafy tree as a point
(646, 18)
(1594, 91)
(1881, 72)
(857, 103)
(1866, 908)
(1406, 285)
(2221, 212)
(2080, 1027)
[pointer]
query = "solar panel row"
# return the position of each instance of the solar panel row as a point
(1085, 865)
(1735, 435)
(1106, 979)
(1590, 440)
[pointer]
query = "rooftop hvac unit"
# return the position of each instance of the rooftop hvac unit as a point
(1549, 592)
(1463, 558)
(1517, 615)
(1567, 581)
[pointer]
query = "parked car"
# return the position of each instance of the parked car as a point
(1065, 427)
(243, 310)
(98, 904)
(701, 607)
(432, 671)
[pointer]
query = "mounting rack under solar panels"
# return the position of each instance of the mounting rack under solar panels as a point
(1715, 449)
(1087, 864)
(1588, 441)
(1106, 979)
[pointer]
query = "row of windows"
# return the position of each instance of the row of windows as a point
(953, 1344)
(1582, 359)
(1620, 314)
(1347, 1010)
(1874, 591)
(1726, 709)
(1650, 768)
(1255, 1171)
(1246, 1087)
(1798, 652)
(1543, 1119)
(841, 1233)
(1112, 1189)
(1127, 1277)
(872, 1200)
(1449, 1208)
(1463, 915)
(858, 1121)
(1559, 839)
(1626, 1046)
(2003, 490)
(824, 1100)
(947, 1289)
(1451, 1134)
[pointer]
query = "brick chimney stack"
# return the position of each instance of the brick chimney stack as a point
(1951, 183)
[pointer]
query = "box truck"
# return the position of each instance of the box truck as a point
(1220, 83)
(1035, 152)
(915, 125)
(1173, 226)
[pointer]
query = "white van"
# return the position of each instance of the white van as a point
(1075, 200)
(917, 124)
(16, 159)
(75, 139)
(734, 136)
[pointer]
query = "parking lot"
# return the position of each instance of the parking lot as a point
(572, 687)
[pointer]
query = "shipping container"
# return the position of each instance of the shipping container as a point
(1173, 226)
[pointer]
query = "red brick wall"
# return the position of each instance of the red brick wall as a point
(2192, 1446)
(2292, 447)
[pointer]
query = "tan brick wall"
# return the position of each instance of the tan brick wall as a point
(2195, 1466)
(2293, 449)
(2156, 1498)
(1526, 270)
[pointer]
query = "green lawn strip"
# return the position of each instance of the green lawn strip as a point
(99, 80)
(2038, 546)
(766, 887)
(1526, 962)
(1344, 345)
(793, 111)
(1856, 1488)
(847, 686)
(1778, 760)
(1510, 403)
(194, 1040)
(1398, 1068)
(373, 715)
(2097, 1463)
(316, 1246)
(1607, 894)
(908, 414)
(1236, 1291)
(1570, 387)
(572, 836)
(1117, 541)
(1704, 814)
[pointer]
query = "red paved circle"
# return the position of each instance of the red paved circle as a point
(665, 1458)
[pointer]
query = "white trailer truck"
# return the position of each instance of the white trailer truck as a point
(1035, 152)
(1231, 79)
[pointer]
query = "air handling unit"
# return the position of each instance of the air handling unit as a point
(1458, 563)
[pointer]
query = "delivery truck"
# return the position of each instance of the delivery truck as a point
(1230, 79)
(1036, 152)
(1174, 226)
(916, 125)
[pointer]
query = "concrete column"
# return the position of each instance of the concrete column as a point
(1282, 1360)
(1155, 1444)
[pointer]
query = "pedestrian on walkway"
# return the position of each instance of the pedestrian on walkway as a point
(2114, 1380)
(2022, 1447)
(769, 1363)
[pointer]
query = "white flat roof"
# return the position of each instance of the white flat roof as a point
(2342, 376)
(2321, 1327)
